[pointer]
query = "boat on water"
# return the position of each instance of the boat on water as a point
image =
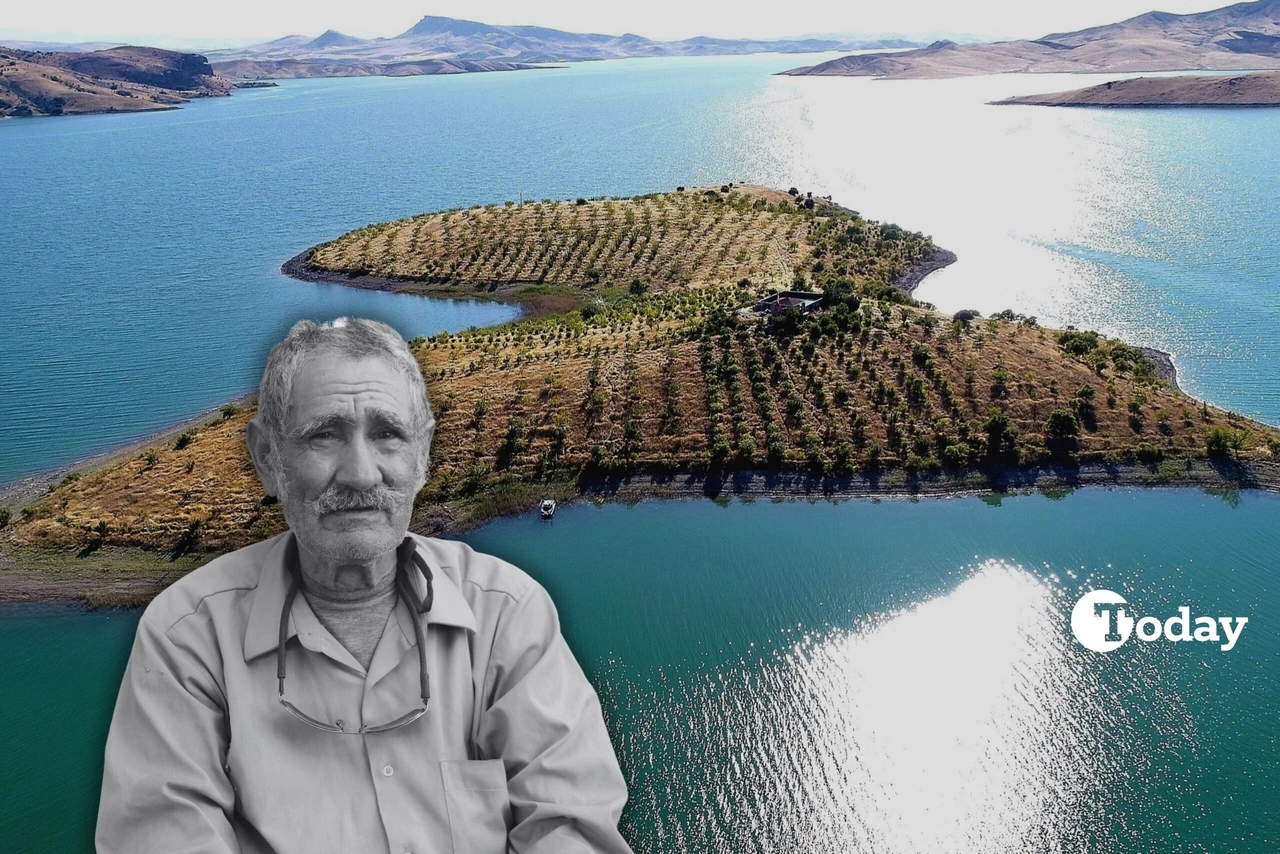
(547, 508)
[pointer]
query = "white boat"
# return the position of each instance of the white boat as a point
(547, 508)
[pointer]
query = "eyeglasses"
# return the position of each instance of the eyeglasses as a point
(407, 557)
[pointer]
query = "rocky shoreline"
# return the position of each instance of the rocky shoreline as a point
(24, 490)
(125, 577)
(1165, 368)
(300, 267)
(909, 279)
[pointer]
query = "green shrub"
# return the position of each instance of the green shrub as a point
(1222, 441)
(956, 456)
(1148, 453)
(1078, 343)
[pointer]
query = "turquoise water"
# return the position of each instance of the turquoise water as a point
(890, 676)
(865, 676)
(143, 250)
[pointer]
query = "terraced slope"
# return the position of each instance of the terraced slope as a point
(652, 368)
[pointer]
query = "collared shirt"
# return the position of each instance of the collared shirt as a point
(513, 755)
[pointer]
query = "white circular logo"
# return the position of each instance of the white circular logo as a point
(1101, 620)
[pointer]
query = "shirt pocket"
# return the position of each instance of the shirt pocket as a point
(475, 793)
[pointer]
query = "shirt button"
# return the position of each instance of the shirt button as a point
(387, 770)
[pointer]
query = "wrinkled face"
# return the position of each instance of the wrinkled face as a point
(348, 465)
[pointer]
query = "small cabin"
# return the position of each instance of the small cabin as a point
(777, 303)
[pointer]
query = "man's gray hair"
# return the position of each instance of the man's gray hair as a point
(356, 338)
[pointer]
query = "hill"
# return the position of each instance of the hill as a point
(1241, 36)
(1247, 90)
(288, 69)
(120, 79)
(642, 368)
(460, 43)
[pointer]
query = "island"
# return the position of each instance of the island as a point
(115, 80)
(711, 341)
(1242, 90)
(1240, 36)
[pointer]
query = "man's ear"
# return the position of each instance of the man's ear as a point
(259, 441)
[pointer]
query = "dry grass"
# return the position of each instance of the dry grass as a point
(666, 240)
(29, 87)
(674, 377)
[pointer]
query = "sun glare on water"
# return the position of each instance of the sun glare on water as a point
(969, 722)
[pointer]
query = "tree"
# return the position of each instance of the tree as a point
(842, 458)
(1002, 435)
(786, 324)
(1220, 442)
(1062, 432)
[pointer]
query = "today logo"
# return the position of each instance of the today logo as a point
(1102, 621)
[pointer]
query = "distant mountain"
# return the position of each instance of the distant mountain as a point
(121, 79)
(1242, 36)
(456, 43)
(333, 38)
(61, 47)
(287, 69)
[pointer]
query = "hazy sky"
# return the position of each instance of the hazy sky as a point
(239, 21)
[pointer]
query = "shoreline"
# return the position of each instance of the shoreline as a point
(131, 577)
(1225, 475)
(909, 279)
(1165, 368)
(16, 493)
(531, 305)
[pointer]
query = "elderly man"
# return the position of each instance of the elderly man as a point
(347, 686)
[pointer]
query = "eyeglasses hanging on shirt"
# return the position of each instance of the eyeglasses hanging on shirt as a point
(407, 558)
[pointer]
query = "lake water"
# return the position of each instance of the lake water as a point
(855, 677)
(143, 252)
(866, 676)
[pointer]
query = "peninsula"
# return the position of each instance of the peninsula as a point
(1242, 90)
(727, 339)
(116, 80)
(1240, 36)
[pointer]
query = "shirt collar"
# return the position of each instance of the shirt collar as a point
(262, 632)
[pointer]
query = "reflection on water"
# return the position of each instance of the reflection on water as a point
(900, 676)
(970, 722)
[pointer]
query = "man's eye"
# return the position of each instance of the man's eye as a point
(322, 436)
(388, 434)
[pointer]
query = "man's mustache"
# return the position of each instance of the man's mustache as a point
(336, 498)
